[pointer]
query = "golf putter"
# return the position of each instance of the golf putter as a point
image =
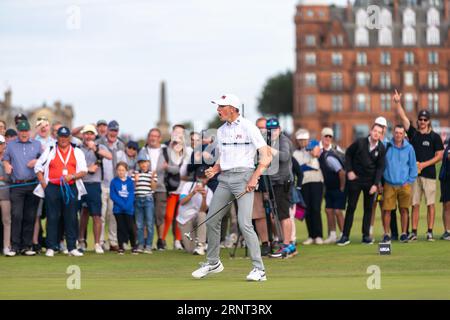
(188, 234)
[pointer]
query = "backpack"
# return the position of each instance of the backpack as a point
(335, 153)
(171, 180)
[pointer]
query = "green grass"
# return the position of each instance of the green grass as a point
(414, 271)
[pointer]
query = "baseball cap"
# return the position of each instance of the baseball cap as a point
(63, 132)
(20, 117)
(142, 157)
(312, 144)
(327, 132)
(2, 139)
(381, 121)
(302, 134)
(424, 113)
(272, 123)
(89, 128)
(100, 122)
(113, 125)
(133, 145)
(228, 99)
(10, 133)
(23, 125)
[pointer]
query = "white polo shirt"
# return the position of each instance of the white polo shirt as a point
(237, 143)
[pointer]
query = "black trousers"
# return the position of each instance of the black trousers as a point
(24, 206)
(312, 194)
(125, 229)
(354, 190)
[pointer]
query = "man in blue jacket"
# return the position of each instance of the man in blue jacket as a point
(399, 175)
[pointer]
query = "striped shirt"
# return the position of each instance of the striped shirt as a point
(144, 183)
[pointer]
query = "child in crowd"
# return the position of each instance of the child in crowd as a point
(122, 194)
(145, 181)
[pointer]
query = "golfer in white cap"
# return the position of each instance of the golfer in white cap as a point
(238, 140)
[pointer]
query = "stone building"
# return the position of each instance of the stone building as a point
(56, 112)
(350, 59)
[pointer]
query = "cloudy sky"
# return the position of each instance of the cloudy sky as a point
(109, 63)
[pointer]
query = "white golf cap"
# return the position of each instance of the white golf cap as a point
(302, 134)
(2, 139)
(381, 121)
(228, 100)
(327, 132)
(89, 128)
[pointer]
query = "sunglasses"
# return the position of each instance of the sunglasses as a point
(328, 136)
(423, 119)
(42, 118)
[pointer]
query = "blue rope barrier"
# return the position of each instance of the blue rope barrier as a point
(66, 191)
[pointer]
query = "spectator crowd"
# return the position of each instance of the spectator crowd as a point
(53, 179)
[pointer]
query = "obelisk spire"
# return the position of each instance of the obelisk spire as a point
(163, 124)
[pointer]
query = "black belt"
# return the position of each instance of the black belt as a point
(235, 143)
(24, 181)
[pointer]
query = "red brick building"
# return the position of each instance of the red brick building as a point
(350, 59)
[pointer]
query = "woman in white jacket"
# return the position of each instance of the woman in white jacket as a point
(59, 171)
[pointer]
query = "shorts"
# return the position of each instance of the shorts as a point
(283, 200)
(259, 212)
(424, 186)
(335, 199)
(445, 190)
(393, 194)
(160, 199)
(93, 199)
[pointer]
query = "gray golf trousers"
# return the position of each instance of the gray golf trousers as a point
(232, 183)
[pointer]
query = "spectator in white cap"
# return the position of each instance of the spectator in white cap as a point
(302, 139)
(332, 164)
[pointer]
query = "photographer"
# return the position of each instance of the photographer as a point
(281, 180)
(91, 203)
(195, 199)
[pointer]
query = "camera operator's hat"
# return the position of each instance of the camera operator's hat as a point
(23, 125)
(424, 113)
(228, 99)
(89, 128)
(272, 123)
(312, 144)
(142, 156)
(63, 132)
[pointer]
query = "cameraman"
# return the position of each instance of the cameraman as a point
(91, 203)
(281, 180)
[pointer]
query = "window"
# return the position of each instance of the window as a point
(336, 103)
(385, 102)
(385, 80)
(310, 13)
(360, 131)
(310, 104)
(433, 17)
(435, 124)
(337, 81)
(361, 58)
(310, 79)
(310, 59)
(386, 18)
(433, 36)
(310, 40)
(433, 103)
(409, 57)
(409, 36)
(433, 80)
(336, 59)
(340, 40)
(433, 57)
(362, 102)
(409, 78)
(385, 58)
(361, 18)
(385, 37)
(333, 41)
(409, 102)
(337, 130)
(409, 17)
(362, 79)
(361, 37)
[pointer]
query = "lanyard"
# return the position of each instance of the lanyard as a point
(68, 156)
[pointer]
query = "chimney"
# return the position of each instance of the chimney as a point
(8, 101)
(395, 15)
(348, 11)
